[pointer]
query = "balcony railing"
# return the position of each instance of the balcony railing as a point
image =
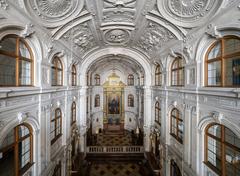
(115, 149)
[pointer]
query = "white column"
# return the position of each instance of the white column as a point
(82, 118)
(147, 117)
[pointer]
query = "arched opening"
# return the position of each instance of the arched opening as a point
(16, 62)
(17, 151)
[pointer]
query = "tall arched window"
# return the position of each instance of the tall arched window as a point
(97, 80)
(158, 75)
(223, 63)
(74, 75)
(57, 72)
(174, 170)
(16, 149)
(97, 101)
(177, 72)
(177, 125)
(222, 150)
(130, 100)
(130, 80)
(73, 117)
(16, 62)
(56, 125)
(157, 113)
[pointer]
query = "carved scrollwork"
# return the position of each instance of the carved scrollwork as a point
(154, 37)
(3, 4)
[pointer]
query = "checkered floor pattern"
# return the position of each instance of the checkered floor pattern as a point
(115, 169)
(114, 140)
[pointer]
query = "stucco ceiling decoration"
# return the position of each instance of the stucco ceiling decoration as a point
(154, 37)
(119, 10)
(80, 38)
(117, 36)
(188, 13)
(53, 13)
(144, 25)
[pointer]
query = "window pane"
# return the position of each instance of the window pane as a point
(9, 45)
(23, 131)
(215, 52)
(232, 71)
(24, 50)
(215, 130)
(232, 168)
(232, 138)
(54, 81)
(7, 70)
(231, 46)
(24, 72)
(24, 152)
(175, 64)
(214, 73)
(59, 77)
(214, 152)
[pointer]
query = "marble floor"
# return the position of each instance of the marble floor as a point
(118, 169)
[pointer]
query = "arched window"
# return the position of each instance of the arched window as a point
(16, 62)
(73, 117)
(97, 80)
(16, 151)
(157, 113)
(223, 63)
(158, 75)
(56, 125)
(177, 72)
(175, 171)
(222, 150)
(57, 72)
(130, 80)
(97, 101)
(177, 125)
(130, 100)
(74, 75)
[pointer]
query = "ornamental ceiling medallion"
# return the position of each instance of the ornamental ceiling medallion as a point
(117, 36)
(188, 13)
(53, 13)
(53, 8)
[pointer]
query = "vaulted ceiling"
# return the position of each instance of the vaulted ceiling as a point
(147, 26)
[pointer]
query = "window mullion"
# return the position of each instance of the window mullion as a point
(16, 151)
(222, 64)
(223, 150)
(17, 62)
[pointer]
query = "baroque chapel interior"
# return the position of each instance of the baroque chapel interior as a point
(119, 87)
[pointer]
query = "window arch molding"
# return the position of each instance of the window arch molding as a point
(177, 71)
(158, 79)
(57, 71)
(221, 146)
(19, 140)
(74, 75)
(177, 124)
(17, 54)
(222, 63)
